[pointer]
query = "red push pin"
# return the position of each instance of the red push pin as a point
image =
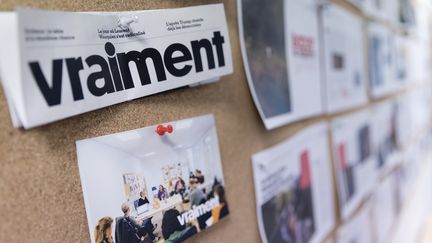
(161, 129)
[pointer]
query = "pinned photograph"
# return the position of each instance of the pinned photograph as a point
(294, 190)
(156, 184)
(279, 43)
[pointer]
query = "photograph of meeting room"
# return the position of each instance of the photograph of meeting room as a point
(281, 58)
(148, 187)
(294, 190)
(355, 159)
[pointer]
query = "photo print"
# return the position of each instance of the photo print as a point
(279, 43)
(294, 190)
(344, 59)
(355, 159)
(155, 184)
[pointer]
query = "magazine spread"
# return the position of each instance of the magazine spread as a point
(67, 63)
(294, 188)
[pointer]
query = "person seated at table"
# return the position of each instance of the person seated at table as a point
(180, 186)
(143, 199)
(128, 230)
(162, 193)
(172, 230)
(222, 210)
(199, 176)
(103, 231)
(196, 195)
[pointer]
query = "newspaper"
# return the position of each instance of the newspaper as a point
(59, 64)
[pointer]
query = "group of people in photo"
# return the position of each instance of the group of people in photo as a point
(132, 229)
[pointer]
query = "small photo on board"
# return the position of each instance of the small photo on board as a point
(279, 43)
(294, 190)
(155, 184)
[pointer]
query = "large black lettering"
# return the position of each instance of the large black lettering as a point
(218, 40)
(110, 50)
(170, 61)
(139, 58)
(51, 94)
(104, 74)
(196, 49)
(74, 65)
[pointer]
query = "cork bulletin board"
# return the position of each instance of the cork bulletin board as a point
(41, 198)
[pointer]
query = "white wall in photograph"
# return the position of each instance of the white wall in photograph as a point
(281, 58)
(293, 186)
(344, 59)
(354, 158)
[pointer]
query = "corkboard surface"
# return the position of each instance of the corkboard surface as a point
(40, 192)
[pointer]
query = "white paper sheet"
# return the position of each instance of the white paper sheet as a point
(280, 50)
(382, 61)
(384, 133)
(344, 59)
(358, 229)
(293, 188)
(355, 161)
(70, 63)
(383, 209)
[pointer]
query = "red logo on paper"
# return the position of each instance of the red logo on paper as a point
(303, 45)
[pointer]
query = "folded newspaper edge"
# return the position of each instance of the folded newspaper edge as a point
(54, 65)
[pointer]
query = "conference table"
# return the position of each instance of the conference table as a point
(164, 205)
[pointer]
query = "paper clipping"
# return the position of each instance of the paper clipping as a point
(294, 189)
(60, 64)
(344, 59)
(355, 159)
(280, 49)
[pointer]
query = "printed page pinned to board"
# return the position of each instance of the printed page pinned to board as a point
(59, 64)
(293, 187)
(280, 49)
